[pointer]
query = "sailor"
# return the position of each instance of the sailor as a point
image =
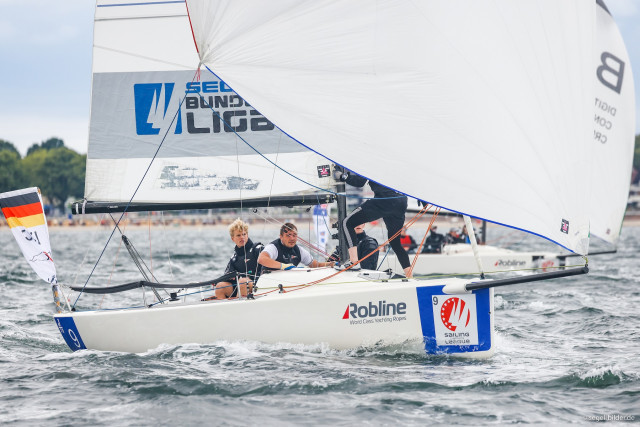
(433, 243)
(386, 204)
(407, 242)
(366, 245)
(285, 254)
(454, 236)
(243, 262)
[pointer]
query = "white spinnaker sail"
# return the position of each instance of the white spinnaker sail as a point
(614, 129)
(144, 66)
(24, 213)
(482, 107)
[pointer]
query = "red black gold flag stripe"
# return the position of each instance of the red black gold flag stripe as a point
(23, 210)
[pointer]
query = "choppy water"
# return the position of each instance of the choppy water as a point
(567, 351)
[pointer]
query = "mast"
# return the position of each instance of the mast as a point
(341, 200)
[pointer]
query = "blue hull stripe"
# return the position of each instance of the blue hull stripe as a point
(426, 296)
(70, 333)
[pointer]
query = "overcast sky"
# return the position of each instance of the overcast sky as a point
(45, 68)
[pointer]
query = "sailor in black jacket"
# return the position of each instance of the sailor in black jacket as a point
(243, 262)
(366, 245)
(285, 254)
(386, 204)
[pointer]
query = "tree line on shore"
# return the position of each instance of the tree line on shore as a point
(57, 170)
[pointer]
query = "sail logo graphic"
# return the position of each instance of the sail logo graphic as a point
(156, 108)
(546, 265)
(565, 226)
(610, 72)
(455, 313)
(455, 320)
(324, 171)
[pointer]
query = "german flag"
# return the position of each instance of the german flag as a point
(23, 210)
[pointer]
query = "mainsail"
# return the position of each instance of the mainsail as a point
(150, 102)
(406, 93)
(25, 215)
(614, 128)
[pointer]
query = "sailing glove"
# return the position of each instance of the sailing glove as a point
(284, 266)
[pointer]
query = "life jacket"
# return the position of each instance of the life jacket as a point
(287, 255)
(405, 241)
(244, 260)
(366, 245)
(433, 243)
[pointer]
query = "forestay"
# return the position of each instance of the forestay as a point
(614, 129)
(146, 92)
(482, 107)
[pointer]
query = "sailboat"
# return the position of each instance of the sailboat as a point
(204, 104)
(613, 141)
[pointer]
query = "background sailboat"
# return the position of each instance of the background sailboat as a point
(149, 101)
(613, 142)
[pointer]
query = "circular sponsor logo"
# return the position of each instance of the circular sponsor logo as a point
(455, 313)
(547, 265)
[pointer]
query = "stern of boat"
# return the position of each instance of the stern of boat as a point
(456, 324)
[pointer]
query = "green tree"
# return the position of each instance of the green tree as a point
(11, 175)
(6, 145)
(49, 144)
(59, 172)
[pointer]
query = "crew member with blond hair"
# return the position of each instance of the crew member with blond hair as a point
(243, 262)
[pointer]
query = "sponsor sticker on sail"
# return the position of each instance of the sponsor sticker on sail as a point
(455, 320)
(25, 215)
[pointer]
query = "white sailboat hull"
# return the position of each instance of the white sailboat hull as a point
(345, 312)
(459, 259)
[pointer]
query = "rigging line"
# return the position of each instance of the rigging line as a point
(383, 258)
(304, 242)
(415, 258)
(132, 196)
(244, 247)
(407, 225)
(150, 252)
(324, 219)
(273, 174)
(270, 161)
(164, 238)
(113, 267)
(239, 174)
(84, 259)
(139, 257)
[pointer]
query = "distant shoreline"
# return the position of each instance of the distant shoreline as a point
(630, 220)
